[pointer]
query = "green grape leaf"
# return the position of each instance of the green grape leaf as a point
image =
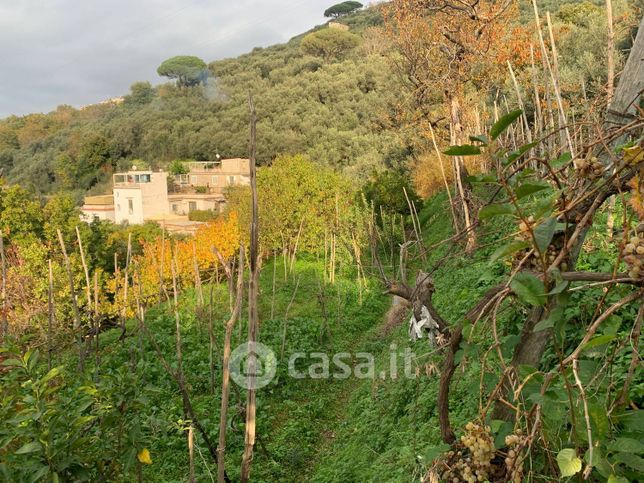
(626, 445)
(480, 139)
(568, 461)
(529, 289)
(528, 188)
(553, 317)
(544, 232)
(503, 123)
(631, 460)
(509, 249)
(496, 209)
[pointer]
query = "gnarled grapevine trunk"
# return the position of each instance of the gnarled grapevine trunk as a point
(533, 344)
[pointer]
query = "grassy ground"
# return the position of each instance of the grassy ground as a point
(390, 426)
(314, 429)
(295, 417)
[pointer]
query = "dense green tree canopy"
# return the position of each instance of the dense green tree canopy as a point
(329, 43)
(300, 202)
(386, 192)
(187, 69)
(140, 93)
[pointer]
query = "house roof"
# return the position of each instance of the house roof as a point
(99, 200)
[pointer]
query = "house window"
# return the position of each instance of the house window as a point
(231, 180)
(175, 207)
(130, 206)
(193, 179)
(214, 180)
(192, 205)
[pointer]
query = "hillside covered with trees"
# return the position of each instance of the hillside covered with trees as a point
(344, 108)
(435, 274)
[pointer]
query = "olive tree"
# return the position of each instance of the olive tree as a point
(329, 43)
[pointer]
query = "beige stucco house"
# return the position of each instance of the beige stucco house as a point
(140, 196)
(202, 188)
(214, 175)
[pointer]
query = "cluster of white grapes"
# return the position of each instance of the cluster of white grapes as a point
(634, 253)
(589, 168)
(513, 460)
(534, 263)
(473, 462)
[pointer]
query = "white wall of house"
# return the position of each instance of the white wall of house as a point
(137, 201)
(90, 213)
(128, 205)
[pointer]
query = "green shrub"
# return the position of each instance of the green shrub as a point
(202, 215)
(178, 166)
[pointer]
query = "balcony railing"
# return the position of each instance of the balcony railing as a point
(204, 165)
(131, 180)
(176, 188)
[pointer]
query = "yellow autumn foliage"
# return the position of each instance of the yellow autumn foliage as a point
(152, 270)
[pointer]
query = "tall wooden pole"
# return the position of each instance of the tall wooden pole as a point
(88, 290)
(50, 310)
(225, 383)
(253, 318)
(76, 312)
(5, 320)
(610, 55)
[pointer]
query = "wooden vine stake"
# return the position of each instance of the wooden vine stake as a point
(179, 351)
(444, 177)
(191, 454)
(610, 89)
(126, 283)
(198, 287)
(50, 312)
(273, 292)
(5, 320)
(553, 71)
(211, 335)
(253, 319)
(97, 330)
(225, 383)
(75, 311)
(88, 290)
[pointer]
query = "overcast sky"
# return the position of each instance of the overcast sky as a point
(83, 51)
